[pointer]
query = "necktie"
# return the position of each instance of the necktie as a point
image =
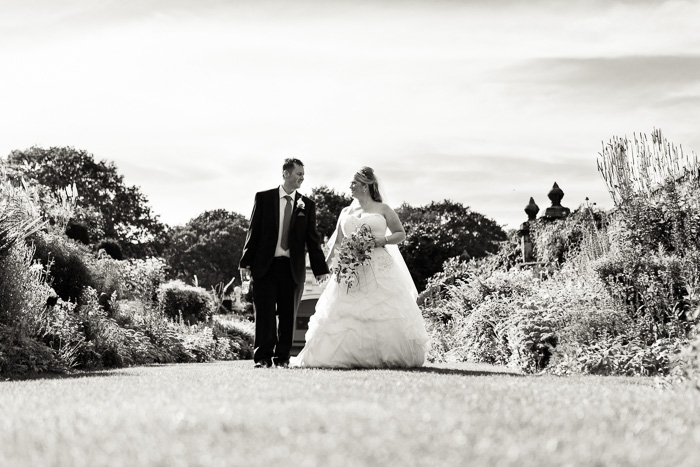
(284, 243)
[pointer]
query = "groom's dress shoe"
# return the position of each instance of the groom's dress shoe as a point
(263, 364)
(282, 365)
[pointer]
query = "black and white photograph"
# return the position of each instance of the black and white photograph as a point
(330, 233)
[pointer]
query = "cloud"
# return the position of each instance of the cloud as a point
(650, 77)
(487, 103)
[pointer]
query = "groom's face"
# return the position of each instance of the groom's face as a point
(294, 178)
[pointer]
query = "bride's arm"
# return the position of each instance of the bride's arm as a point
(338, 235)
(393, 223)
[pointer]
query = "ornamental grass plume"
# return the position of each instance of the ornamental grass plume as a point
(641, 165)
(19, 217)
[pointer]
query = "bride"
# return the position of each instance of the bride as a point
(371, 321)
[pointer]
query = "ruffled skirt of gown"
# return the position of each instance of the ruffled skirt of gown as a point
(375, 324)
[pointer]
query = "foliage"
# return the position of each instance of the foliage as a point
(439, 231)
(532, 335)
(329, 204)
(653, 270)
(142, 278)
(199, 342)
(650, 287)
(112, 248)
(185, 303)
(493, 317)
(478, 334)
(221, 297)
(106, 313)
(23, 290)
(62, 332)
(624, 356)
(240, 334)
(21, 354)
(78, 231)
(106, 343)
(104, 203)
(582, 236)
(563, 323)
(686, 362)
(209, 247)
(66, 263)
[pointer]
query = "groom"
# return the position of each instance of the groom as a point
(282, 229)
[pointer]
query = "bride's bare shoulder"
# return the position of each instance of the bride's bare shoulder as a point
(385, 209)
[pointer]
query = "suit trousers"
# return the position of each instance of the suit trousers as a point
(275, 295)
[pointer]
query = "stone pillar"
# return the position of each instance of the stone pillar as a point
(525, 241)
(237, 293)
(556, 211)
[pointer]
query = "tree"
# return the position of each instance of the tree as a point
(109, 208)
(328, 207)
(439, 231)
(209, 246)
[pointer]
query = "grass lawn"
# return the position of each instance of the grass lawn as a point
(228, 413)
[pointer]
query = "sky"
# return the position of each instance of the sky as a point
(483, 102)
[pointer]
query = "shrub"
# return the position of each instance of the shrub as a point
(183, 302)
(23, 290)
(63, 332)
(567, 323)
(240, 335)
(112, 248)
(142, 278)
(686, 363)
(106, 343)
(107, 278)
(78, 231)
(164, 335)
(21, 354)
(532, 336)
(66, 263)
(482, 334)
(650, 287)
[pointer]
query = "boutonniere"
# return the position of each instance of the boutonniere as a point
(300, 204)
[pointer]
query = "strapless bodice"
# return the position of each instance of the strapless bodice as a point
(376, 223)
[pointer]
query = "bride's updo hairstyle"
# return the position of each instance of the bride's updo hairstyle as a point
(366, 176)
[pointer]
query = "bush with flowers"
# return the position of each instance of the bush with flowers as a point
(65, 307)
(616, 293)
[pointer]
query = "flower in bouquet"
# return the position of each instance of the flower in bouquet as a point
(355, 251)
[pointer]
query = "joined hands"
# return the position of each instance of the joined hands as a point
(322, 278)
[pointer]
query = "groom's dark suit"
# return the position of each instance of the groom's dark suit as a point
(278, 281)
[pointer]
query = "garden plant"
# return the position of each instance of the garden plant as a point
(613, 293)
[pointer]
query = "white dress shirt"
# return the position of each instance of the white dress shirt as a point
(283, 202)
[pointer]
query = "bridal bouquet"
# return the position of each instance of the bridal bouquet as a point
(355, 251)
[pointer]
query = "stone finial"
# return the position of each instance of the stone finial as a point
(556, 211)
(531, 209)
(555, 195)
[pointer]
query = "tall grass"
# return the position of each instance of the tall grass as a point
(641, 165)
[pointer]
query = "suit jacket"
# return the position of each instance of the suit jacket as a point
(260, 243)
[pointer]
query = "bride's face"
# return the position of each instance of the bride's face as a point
(356, 188)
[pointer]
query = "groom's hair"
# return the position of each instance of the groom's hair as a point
(290, 163)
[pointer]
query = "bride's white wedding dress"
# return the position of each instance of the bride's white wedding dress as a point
(375, 324)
